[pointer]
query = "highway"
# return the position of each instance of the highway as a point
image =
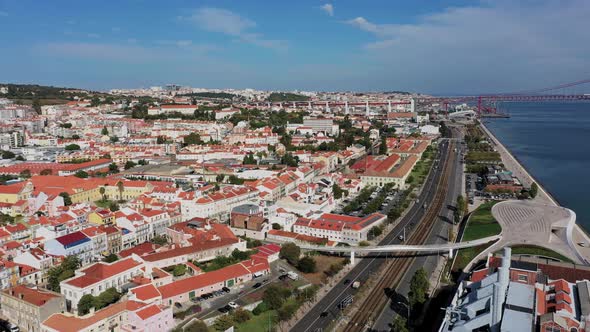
(367, 266)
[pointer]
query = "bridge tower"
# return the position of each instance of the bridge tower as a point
(327, 108)
(368, 109)
(269, 105)
(412, 105)
(309, 105)
(389, 106)
(346, 107)
(294, 105)
(280, 106)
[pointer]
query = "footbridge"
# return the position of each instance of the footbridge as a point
(428, 248)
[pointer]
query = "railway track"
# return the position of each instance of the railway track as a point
(396, 269)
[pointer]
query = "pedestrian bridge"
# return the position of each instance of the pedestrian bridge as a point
(450, 247)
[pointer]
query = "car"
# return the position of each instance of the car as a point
(233, 305)
(283, 276)
(265, 281)
(225, 289)
(324, 314)
(223, 310)
(196, 299)
(256, 285)
(401, 237)
(228, 307)
(347, 281)
(178, 305)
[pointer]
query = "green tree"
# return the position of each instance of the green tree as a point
(160, 140)
(113, 168)
(114, 139)
(66, 197)
(220, 177)
(196, 326)
(338, 192)
(81, 174)
(223, 323)
(179, 270)
(249, 159)
(107, 297)
(399, 324)
(85, 304)
(47, 171)
(534, 190)
(75, 136)
(120, 188)
(114, 206)
(72, 147)
(130, 164)
(240, 315)
(102, 191)
(104, 131)
(383, 146)
(192, 138)
(291, 252)
(287, 311)
(37, 105)
(25, 173)
(111, 258)
(418, 287)
(159, 240)
(273, 296)
(276, 226)
(20, 158)
(289, 160)
(376, 231)
(306, 265)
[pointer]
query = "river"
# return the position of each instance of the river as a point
(552, 141)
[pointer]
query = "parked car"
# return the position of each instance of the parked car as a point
(225, 289)
(178, 305)
(256, 285)
(233, 305)
(347, 281)
(324, 314)
(223, 310)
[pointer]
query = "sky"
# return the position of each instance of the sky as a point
(436, 47)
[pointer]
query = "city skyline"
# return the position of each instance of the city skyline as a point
(456, 47)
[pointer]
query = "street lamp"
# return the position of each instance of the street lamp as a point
(408, 307)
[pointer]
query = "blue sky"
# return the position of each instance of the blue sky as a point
(426, 46)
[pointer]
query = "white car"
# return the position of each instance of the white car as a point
(233, 305)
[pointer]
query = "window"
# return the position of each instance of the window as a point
(523, 278)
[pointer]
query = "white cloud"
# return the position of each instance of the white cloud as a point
(495, 46)
(115, 29)
(93, 35)
(232, 24)
(328, 8)
(3, 13)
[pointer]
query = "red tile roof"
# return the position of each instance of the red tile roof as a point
(100, 271)
(148, 311)
(36, 297)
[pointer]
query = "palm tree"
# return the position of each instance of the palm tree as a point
(121, 188)
(102, 190)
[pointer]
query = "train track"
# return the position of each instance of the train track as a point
(396, 269)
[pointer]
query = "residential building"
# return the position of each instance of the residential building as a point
(339, 228)
(29, 307)
(99, 277)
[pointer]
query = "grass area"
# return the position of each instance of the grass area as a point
(464, 256)
(105, 204)
(481, 223)
(538, 251)
(422, 167)
(259, 323)
(323, 262)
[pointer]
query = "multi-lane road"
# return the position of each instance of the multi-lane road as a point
(313, 321)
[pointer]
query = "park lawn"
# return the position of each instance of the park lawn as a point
(258, 323)
(103, 204)
(539, 251)
(481, 223)
(464, 256)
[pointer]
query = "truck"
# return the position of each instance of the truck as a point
(292, 275)
(356, 285)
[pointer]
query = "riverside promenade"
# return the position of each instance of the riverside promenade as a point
(581, 241)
